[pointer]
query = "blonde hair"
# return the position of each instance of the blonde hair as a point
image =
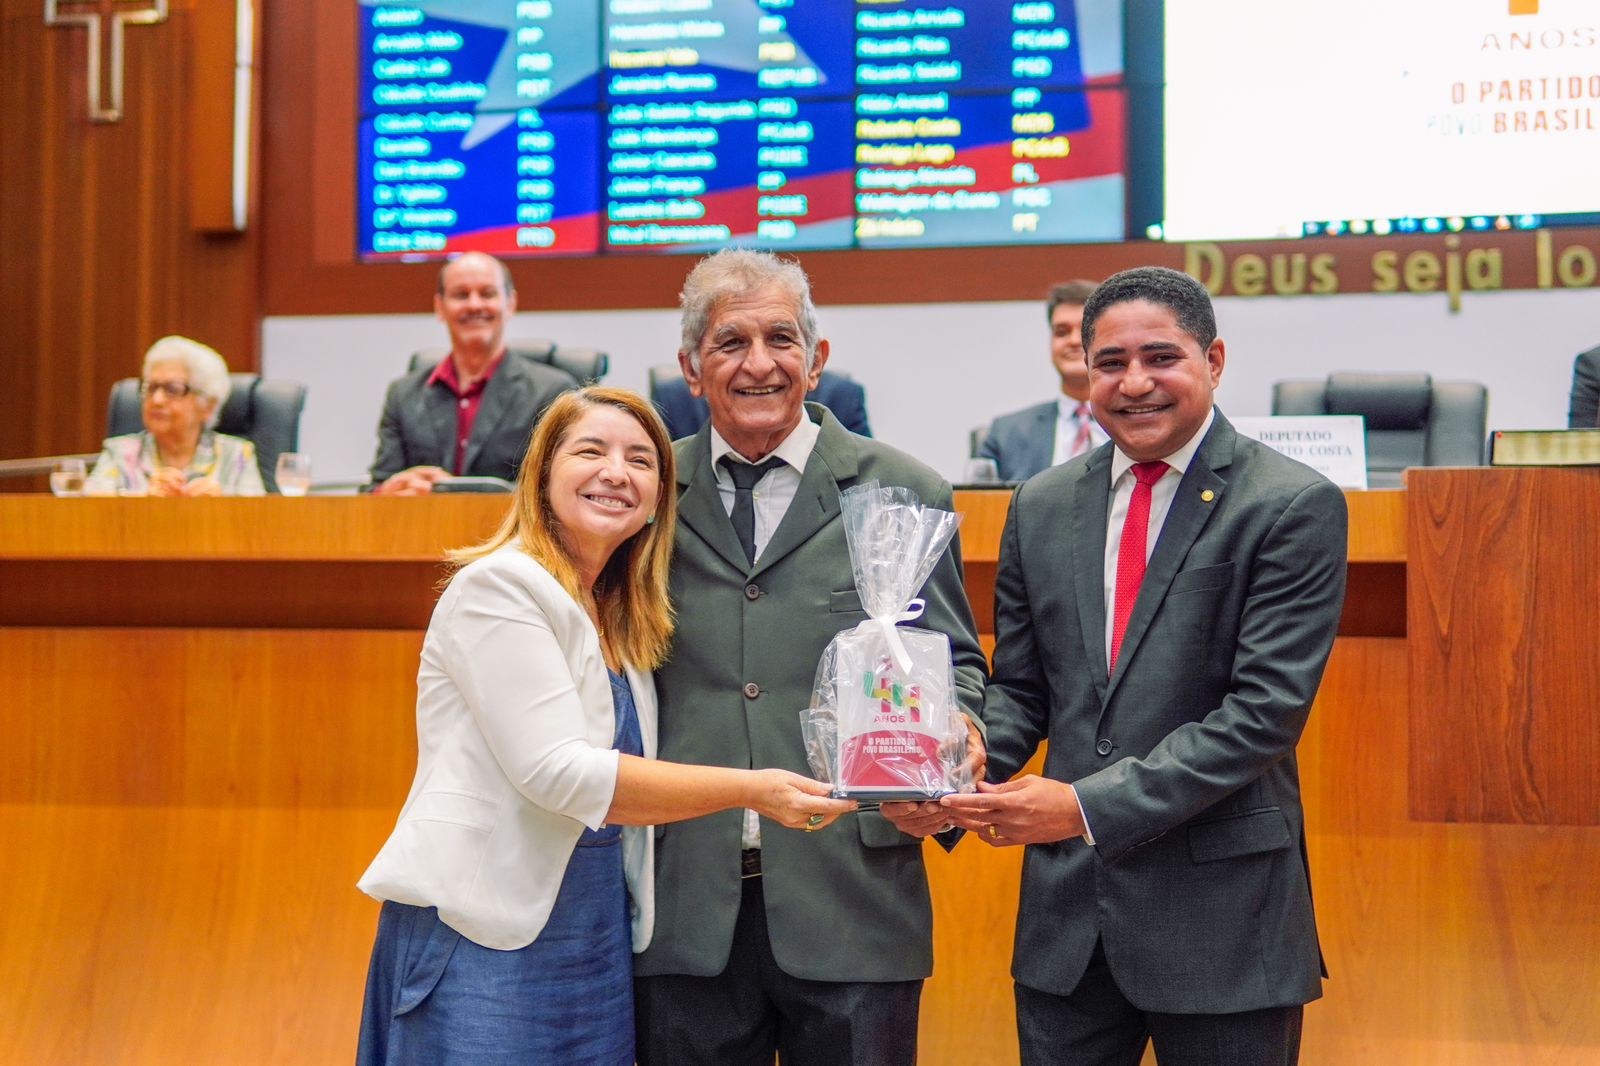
(631, 592)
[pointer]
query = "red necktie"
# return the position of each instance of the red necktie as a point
(1131, 552)
(1081, 442)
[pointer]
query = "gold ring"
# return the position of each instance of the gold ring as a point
(994, 834)
(814, 822)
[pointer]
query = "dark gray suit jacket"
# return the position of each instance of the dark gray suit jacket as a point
(1022, 443)
(418, 426)
(849, 903)
(1184, 758)
(1583, 412)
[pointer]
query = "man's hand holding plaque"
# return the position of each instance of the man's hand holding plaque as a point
(931, 817)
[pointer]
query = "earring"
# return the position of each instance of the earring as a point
(650, 520)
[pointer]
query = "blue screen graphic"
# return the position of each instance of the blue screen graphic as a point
(580, 127)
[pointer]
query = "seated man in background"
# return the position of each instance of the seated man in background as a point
(473, 413)
(684, 413)
(1036, 438)
(1583, 411)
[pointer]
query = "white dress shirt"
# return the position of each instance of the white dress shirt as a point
(770, 497)
(1068, 424)
(1162, 494)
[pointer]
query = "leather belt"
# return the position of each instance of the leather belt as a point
(749, 863)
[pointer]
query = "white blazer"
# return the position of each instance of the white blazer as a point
(514, 730)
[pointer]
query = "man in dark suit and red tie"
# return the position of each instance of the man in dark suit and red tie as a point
(473, 413)
(1164, 608)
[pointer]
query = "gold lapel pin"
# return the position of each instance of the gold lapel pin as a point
(1208, 495)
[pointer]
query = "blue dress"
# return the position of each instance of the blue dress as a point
(435, 998)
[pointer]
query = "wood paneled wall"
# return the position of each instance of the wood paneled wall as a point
(100, 254)
(186, 813)
(186, 801)
(187, 863)
(1503, 621)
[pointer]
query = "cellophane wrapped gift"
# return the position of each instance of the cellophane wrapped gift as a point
(883, 722)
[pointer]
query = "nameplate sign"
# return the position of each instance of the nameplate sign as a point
(1335, 446)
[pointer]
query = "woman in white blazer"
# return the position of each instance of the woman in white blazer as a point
(504, 933)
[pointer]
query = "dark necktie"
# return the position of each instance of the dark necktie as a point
(1131, 552)
(745, 476)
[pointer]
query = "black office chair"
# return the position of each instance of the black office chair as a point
(663, 374)
(266, 413)
(665, 380)
(588, 365)
(1411, 419)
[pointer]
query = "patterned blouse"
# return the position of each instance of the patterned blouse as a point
(127, 462)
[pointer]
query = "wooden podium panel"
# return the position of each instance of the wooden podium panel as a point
(209, 708)
(1447, 945)
(1377, 525)
(261, 529)
(1504, 616)
(1374, 606)
(270, 562)
(158, 935)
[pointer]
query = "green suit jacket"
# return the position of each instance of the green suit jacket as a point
(849, 903)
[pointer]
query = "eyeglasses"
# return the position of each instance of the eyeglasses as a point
(172, 390)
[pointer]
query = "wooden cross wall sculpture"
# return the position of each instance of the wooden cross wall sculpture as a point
(104, 20)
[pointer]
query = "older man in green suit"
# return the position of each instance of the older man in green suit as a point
(812, 946)
(1164, 608)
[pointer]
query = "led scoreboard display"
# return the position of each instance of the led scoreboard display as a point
(581, 127)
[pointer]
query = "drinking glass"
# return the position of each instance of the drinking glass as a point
(294, 473)
(67, 477)
(982, 472)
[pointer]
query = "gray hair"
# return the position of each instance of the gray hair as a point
(734, 271)
(208, 374)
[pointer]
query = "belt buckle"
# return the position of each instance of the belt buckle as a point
(749, 863)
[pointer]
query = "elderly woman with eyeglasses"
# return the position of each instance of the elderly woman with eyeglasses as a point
(182, 391)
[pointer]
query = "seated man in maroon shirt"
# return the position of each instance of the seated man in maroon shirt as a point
(474, 412)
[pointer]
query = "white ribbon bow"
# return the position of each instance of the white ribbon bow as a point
(891, 634)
